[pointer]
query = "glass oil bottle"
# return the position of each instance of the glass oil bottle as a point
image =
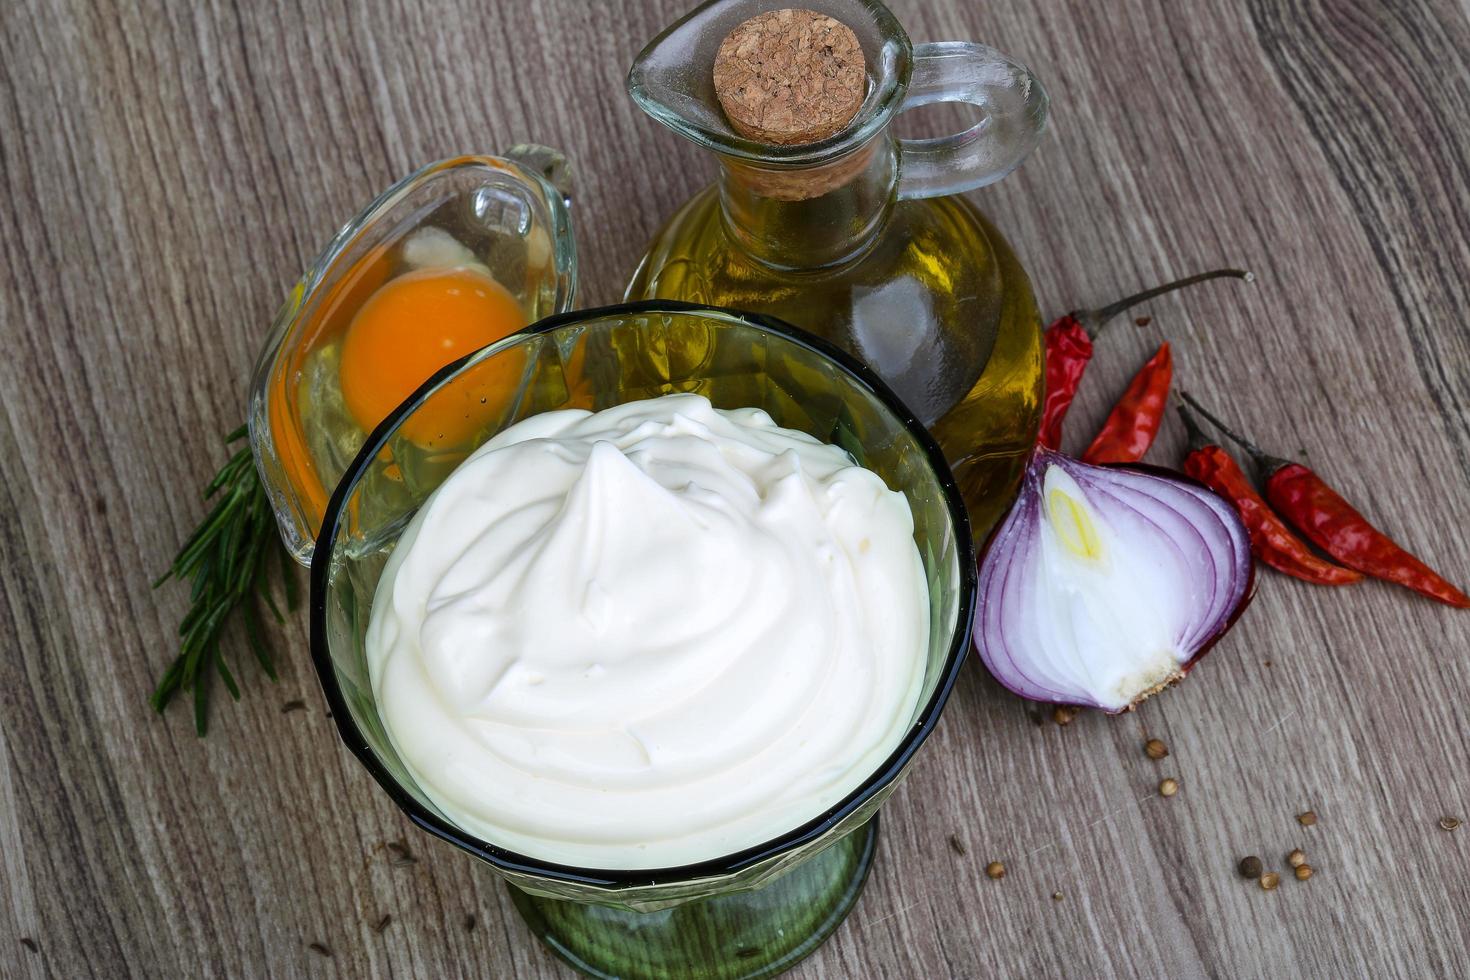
(861, 237)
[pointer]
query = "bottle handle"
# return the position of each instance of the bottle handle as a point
(1014, 106)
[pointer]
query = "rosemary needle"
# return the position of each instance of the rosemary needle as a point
(227, 563)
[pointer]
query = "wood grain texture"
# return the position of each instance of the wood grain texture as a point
(166, 171)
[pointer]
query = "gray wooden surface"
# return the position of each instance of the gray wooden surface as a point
(167, 170)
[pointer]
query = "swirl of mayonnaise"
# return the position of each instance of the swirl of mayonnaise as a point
(649, 636)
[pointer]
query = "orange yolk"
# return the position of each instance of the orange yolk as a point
(413, 326)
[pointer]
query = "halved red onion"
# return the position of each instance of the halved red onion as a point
(1104, 584)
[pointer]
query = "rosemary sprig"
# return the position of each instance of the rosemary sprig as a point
(227, 561)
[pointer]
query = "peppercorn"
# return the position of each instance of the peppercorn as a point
(1270, 880)
(1168, 787)
(1063, 715)
(1306, 819)
(995, 870)
(1296, 858)
(1303, 872)
(1449, 823)
(1155, 749)
(1250, 867)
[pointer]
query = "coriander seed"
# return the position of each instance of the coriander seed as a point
(1168, 787)
(995, 870)
(1449, 823)
(1056, 896)
(1250, 867)
(1270, 880)
(1155, 749)
(1063, 715)
(1296, 858)
(1303, 872)
(1306, 819)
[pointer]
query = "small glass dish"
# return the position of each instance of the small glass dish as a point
(752, 913)
(507, 217)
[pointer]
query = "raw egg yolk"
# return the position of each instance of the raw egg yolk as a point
(410, 328)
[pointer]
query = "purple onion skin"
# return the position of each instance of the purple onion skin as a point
(1246, 596)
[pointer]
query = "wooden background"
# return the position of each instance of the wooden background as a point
(167, 171)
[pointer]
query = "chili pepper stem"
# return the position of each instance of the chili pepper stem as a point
(1269, 464)
(1094, 320)
(1195, 437)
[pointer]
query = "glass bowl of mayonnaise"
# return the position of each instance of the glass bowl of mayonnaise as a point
(657, 635)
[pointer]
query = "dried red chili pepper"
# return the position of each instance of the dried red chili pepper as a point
(1335, 526)
(1271, 541)
(1069, 348)
(1134, 421)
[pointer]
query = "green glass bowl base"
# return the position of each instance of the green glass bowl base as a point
(756, 933)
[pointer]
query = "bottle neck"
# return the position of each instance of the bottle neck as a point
(811, 217)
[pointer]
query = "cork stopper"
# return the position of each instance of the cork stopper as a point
(790, 76)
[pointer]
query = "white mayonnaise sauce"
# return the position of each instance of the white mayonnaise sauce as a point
(649, 636)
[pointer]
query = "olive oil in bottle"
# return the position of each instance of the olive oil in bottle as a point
(959, 340)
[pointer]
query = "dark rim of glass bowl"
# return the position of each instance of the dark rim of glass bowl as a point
(508, 860)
